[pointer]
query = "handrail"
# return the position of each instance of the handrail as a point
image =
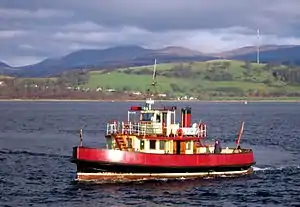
(133, 128)
(140, 128)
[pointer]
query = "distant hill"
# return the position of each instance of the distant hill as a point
(4, 65)
(250, 50)
(179, 51)
(285, 54)
(131, 55)
(5, 69)
(110, 58)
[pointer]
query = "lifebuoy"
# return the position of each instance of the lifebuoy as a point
(179, 132)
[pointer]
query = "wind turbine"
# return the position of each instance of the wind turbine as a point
(154, 74)
(257, 47)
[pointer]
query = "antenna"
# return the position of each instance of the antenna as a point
(257, 52)
(154, 81)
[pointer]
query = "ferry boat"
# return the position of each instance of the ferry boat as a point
(151, 145)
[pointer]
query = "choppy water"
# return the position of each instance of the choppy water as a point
(36, 140)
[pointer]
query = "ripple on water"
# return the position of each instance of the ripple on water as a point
(36, 142)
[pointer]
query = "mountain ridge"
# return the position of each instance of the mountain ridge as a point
(3, 64)
(133, 55)
(250, 49)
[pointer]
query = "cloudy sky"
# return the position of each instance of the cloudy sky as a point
(31, 30)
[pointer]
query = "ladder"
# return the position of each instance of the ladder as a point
(120, 142)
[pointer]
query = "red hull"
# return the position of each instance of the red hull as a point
(162, 160)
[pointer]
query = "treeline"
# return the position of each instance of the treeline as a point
(69, 85)
(58, 92)
(291, 76)
(219, 71)
(73, 78)
(274, 75)
(60, 87)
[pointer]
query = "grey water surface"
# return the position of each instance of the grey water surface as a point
(36, 140)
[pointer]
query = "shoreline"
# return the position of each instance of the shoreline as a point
(279, 100)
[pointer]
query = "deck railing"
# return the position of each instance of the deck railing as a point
(147, 128)
(133, 128)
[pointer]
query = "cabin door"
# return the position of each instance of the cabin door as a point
(179, 147)
(182, 147)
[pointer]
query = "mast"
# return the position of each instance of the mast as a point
(149, 101)
(154, 81)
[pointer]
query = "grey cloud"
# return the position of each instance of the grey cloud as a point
(39, 13)
(8, 34)
(173, 14)
(35, 28)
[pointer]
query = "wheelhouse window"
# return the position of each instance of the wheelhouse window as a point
(147, 116)
(133, 116)
(173, 121)
(158, 118)
(152, 144)
(162, 144)
(142, 144)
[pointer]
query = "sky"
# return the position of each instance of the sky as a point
(32, 30)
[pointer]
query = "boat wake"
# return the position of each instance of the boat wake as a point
(24, 152)
(255, 169)
(264, 169)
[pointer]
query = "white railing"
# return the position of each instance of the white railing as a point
(113, 127)
(133, 128)
(116, 127)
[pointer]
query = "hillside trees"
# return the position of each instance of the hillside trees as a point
(73, 78)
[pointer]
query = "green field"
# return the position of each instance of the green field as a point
(211, 78)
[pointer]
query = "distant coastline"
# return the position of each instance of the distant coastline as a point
(140, 100)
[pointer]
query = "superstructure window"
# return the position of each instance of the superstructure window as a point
(162, 144)
(147, 116)
(157, 118)
(152, 144)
